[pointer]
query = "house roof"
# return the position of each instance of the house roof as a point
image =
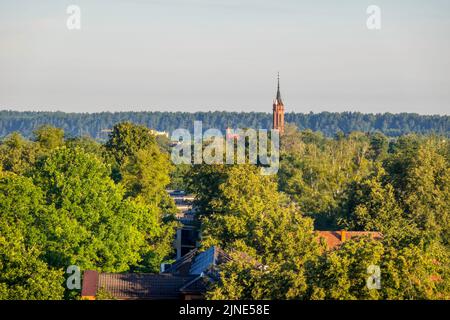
(183, 265)
(196, 263)
(188, 275)
(90, 283)
(130, 286)
(207, 259)
(199, 284)
(334, 239)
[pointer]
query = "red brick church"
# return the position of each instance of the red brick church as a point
(278, 111)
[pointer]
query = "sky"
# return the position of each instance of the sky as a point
(206, 55)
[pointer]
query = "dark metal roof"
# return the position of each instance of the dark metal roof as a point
(183, 265)
(205, 260)
(196, 263)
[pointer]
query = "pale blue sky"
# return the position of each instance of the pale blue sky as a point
(199, 55)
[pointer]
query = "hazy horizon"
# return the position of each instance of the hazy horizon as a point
(216, 55)
(219, 110)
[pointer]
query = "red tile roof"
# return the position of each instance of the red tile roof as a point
(334, 239)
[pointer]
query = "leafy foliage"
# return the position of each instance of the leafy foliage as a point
(254, 219)
(412, 272)
(70, 200)
(24, 275)
(359, 182)
(59, 206)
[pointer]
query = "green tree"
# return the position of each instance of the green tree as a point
(49, 137)
(371, 205)
(22, 206)
(144, 171)
(24, 275)
(379, 145)
(254, 219)
(126, 139)
(318, 171)
(92, 226)
(204, 182)
(140, 165)
(412, 272)
(87, 144)
(146, 174)
(341, 274)
(17, 154)
(420, 174)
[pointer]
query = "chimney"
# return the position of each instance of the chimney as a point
(343, 235)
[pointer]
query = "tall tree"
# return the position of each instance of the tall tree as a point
(17, 154)
(49, 137)
(318, 171)
(412, 272)
(126, 139)
(255, 220)
(419, 171)
(92, 226)
(24, 275)
(371, 205)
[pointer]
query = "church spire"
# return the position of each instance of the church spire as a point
(278, 111)
(278, 91)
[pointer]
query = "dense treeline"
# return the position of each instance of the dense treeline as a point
(79, 124)
(354, 182)
(103, 206)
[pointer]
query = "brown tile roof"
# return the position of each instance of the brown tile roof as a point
(143, 286)
(131, 286)
(334, 239)
(188, 275)
(198, 285)
(90, 282)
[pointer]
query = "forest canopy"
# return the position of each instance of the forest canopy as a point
(95, 124)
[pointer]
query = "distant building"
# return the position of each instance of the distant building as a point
(231, 135)
(278, 111)
(159, 133)
(188, 234)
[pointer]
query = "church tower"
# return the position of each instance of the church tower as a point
(278, 111)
